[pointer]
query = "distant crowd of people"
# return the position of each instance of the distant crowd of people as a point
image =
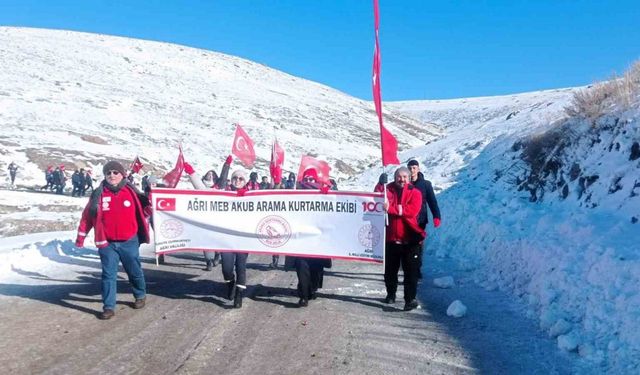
(56, 178)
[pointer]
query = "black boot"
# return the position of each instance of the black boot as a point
(231, 292)
(216, 259)
(209, 265)
(237, 301)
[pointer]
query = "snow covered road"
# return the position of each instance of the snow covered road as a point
(49, 296)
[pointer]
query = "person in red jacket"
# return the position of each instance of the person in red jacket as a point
(404, 238)
(115, 211)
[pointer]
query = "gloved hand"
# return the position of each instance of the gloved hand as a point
(436, 222)
(242, 191)
(188, 168)
(229, 160)
(80, 241)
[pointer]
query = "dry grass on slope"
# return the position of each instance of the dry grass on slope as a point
(616, 94)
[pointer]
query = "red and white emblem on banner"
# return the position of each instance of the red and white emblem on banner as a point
(166, 204)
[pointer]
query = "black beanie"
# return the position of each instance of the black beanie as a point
(113, 166)
(413, 162)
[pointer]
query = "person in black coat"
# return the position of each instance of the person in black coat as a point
(429, 202)
(310, 270)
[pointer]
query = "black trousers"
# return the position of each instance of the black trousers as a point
(409, 256)
(310, 276)
(237, 260)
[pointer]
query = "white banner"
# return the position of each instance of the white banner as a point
(339, 224)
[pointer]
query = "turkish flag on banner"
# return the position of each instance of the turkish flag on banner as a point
(136, 165)
(166, 204)
(388, 142)
(277, 159)
(321, 167)
(171, 179)
(243, 147)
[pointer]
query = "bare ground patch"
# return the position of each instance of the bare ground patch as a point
(7, 209)
(58, 208)
(13, 227)
(90, 138)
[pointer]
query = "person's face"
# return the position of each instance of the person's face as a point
(308, 179)
(264, 179)
(414, 170)
(401, 179)
(238, 182)
(113, 177)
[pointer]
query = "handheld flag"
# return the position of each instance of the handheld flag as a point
(243, 147)
(173, 176)
(277, 159)
(136, 165)
(322, 169)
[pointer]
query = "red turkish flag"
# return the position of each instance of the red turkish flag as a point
(136, 165)
(166, 204)
(277, 159)
(322, 168)
(243, 147)
(388, 142)
(173, 176)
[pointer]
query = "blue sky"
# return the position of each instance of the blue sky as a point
(430, 49)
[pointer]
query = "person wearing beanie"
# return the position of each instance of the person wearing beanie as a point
(429, 202)
(211, 180)
(310, 271)
(236, 283)
(116, 213)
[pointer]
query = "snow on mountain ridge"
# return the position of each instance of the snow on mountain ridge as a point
(139, 97)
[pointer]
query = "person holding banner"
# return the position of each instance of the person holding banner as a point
(404, 238)
(310, 271)
(116, 213)
(210, 181)
(230, 260)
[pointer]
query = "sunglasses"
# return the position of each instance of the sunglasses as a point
(109, 173)
(238, 178)
(309, 179)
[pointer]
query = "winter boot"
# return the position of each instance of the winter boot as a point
(216, 259)
(139, 303)
(231, 292)
(389, 299)
(106, 314)
(413, 304)
(237, 300)
(209, 265)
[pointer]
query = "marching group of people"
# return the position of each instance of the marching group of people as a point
(118, 213)
(81, 180)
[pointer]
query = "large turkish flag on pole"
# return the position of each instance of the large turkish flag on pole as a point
(243, 147)
(388, 142)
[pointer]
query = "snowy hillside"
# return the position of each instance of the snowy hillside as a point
(76, 99)
(546, 208)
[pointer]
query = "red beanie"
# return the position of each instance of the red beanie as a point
(311, 172)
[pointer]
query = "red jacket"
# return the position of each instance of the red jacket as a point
(92, 217)
(379, 188)
(404, 228)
